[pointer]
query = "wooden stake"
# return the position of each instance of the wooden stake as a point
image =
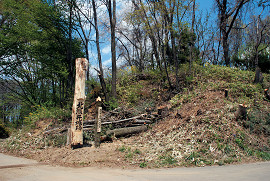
(78, 103)
(68, 137)
(98, 123)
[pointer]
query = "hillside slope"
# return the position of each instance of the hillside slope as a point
(200, 128)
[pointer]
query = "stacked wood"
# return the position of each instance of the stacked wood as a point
(119, 121)
(128, 122)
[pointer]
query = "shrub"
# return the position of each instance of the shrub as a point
(43, 112)
(4, 132)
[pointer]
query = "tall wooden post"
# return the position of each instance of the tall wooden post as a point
(98, 123)
(78, 104)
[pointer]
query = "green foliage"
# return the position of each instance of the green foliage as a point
(112, 104)
(42, 112)
(122, 148)
(56, 140)
(137, 151)
(168, 159)
(263, 155)
(258, 121)
(238, 82)
(143, 164)
(248, 61)
(184, 97)
(124, 75)
(33, 56)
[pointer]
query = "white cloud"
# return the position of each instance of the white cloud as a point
(120, 61)
(107, 63)
(106, 49)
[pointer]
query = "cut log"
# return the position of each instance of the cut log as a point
(241, 113)
(266, 94)
(125, 131)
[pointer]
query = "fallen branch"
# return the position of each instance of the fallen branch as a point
(123, 120)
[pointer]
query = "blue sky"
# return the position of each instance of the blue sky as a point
(205, 4)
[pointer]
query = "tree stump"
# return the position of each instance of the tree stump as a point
(78, 103)
(163, 111)
(226, 91)
(266, 94)
(241, 113)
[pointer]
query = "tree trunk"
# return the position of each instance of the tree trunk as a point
(112, 16)
(100, 73)
(192, 31)
(258, 76)
(228, 12)
(226, 50)
(78, 103)
(70, 80)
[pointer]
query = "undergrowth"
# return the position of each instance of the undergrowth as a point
(43, 112)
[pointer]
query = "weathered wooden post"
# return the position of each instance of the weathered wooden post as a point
(98, 122)
(76, 135)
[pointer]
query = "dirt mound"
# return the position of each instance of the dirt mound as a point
(202, 132)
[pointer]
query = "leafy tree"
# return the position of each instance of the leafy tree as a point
(33, 49)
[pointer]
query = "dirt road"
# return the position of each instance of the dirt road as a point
(19, 169)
